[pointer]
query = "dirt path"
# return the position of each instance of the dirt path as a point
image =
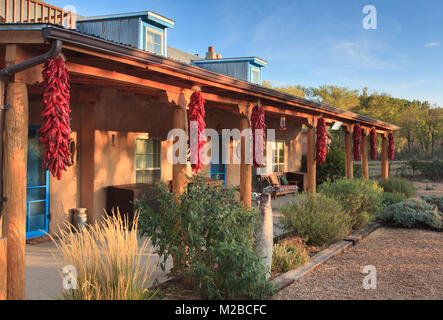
(409, 265)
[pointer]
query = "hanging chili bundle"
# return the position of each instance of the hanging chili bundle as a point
(197, 141)
(258, 135)
(357, 141)
(321, 141)
(373, 143)
(391, 146)
(56, 129)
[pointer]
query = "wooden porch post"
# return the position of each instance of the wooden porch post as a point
(3, 243)
(311, 161)
(364, 155)
(245, 168)
(86, 137)
(348, 153)
(179, 170)
(384, 158)
(15, 167)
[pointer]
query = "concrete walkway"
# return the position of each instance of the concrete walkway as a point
(43, 279)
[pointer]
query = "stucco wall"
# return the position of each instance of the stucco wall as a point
(120, 117)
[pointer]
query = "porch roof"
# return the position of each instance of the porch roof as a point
(275, 102)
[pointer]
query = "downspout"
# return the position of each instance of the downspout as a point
(5, 75)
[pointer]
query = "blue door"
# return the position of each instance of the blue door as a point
(37, 188)
(218, 168)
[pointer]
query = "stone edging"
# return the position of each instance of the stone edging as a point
(285, 279)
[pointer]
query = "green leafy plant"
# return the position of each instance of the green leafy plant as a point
(434, 200)
(398, 185)
(331, 170)
(411, 213)
(361, 199)
(317, 219)
(211, 237)
(391, 198)
(288, 256)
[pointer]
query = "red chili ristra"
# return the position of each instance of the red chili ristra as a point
(357, 141)
(321, 141)
(197, 113)
(373, 144)
(258, 135)
(391, 146)
(56, 129)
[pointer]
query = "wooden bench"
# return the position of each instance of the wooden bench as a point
(280, 189)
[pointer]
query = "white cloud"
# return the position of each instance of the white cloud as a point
(432, 44)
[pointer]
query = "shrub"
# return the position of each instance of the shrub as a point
(391, 198)
(211, 238)
(317, 219)
(432, 170)
(398, 185)
(288, 256)
(434, 200)
(331, 170)
(361, 199)
(108, 261)
(411, 213)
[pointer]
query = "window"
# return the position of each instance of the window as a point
(255, 75)
(154, 41)
(147, 160)
(277, 156)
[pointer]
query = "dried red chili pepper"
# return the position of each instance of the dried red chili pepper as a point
(357, 141)
(391, 146)
(258, 135)
(321, 141)
(56, 129)
(197, 113)
(373, 142)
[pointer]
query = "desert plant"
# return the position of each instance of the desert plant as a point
(107, 259)
(434, 200)
(398, 185)
(211, 237)
(432, 170)
(361, 199)
(391, 198)
(317, 219)
(411, 213)
(288, 256)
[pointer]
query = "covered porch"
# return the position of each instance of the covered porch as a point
(124, 102)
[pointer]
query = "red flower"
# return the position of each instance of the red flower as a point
(56, 129)
(357, 141)
(321, 141)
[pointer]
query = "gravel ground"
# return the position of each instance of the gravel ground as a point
(409, 265)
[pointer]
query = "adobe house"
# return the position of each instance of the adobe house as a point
(128, 90)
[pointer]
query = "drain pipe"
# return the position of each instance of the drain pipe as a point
(5, 75)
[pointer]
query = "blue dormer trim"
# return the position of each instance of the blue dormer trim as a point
(154, 27)
(256, 61)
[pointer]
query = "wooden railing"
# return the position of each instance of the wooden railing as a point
(35, 11)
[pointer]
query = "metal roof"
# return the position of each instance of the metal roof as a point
(101, 45)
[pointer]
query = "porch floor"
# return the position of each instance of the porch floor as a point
(44, 282)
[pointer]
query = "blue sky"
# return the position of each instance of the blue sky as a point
(311, 42)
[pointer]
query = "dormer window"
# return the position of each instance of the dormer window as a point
(255, 75)
(154, 40)
(144, 30)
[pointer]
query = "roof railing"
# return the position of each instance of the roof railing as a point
(35, 11)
